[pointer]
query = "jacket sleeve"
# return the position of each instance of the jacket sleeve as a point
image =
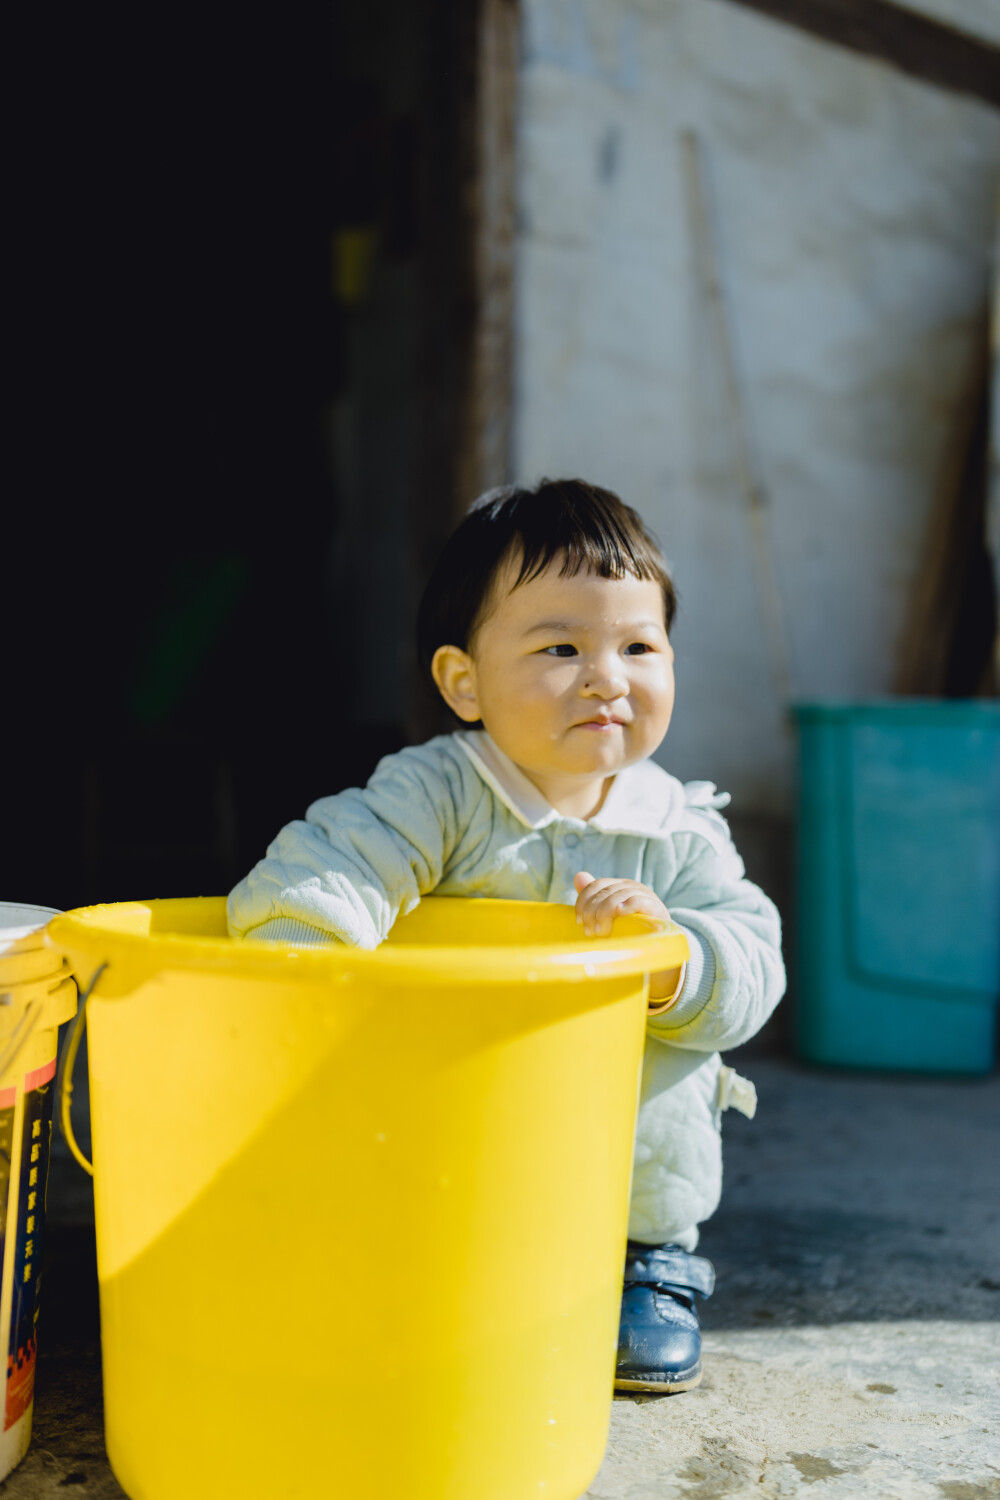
(362, 857)
(736, 976)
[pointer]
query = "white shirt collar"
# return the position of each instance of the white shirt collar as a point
(643, 799)
(516, 791)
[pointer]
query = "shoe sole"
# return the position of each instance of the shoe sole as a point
(663, 1386)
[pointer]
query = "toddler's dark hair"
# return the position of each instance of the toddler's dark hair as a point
(594, 530)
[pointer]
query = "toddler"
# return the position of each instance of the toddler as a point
(546, 629)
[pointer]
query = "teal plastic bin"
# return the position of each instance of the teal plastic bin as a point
(899, 884)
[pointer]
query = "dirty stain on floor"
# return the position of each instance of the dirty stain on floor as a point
(781, 1412)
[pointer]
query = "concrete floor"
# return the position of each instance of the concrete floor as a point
(853, 1342)
(854, 1339)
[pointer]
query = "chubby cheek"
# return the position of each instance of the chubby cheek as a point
(654, 703)
(545, 692)
(523, 706)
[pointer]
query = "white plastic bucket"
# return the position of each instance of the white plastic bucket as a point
(36, 995)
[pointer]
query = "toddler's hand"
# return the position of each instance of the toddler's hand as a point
(600, 901)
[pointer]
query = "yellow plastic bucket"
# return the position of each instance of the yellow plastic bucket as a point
(361, 1216)
(36, 994)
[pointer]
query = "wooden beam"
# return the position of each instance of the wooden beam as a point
(930, 50)
(467, 280)
(954, 530)
(468, 213)
(484, 457)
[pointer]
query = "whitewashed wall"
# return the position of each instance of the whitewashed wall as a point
(854, 210)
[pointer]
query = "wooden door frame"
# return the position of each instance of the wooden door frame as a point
(469, 220)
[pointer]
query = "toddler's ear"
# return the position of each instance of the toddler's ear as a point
(455, 674)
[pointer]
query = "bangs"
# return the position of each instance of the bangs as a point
(583, 528)
(589, 529)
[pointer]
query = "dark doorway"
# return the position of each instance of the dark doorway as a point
(249, 315)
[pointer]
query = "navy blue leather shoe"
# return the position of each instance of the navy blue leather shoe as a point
(659, 1342)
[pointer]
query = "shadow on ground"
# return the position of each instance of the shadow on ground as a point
(816, 1266)
(865, 1198)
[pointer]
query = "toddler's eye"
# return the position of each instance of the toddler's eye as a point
(564, 649)
(637, 648)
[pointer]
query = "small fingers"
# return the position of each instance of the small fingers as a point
(594, 891)
(640, 901)
(647, 902)
(600, 901)
(618, 905)
(597, 907)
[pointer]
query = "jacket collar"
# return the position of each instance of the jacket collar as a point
(643, 799)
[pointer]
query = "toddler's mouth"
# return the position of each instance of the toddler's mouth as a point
(601, 724)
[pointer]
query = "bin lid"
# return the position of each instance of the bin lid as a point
(22, 927)
(24, 956)
(966, 713)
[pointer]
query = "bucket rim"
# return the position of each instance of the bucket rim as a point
(85, 935)
(46, 911)
(26, 935)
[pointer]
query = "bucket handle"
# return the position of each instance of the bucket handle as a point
(26, 1025)
(22, 1031)
(64, 1088)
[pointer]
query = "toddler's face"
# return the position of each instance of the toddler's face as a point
(572, 677)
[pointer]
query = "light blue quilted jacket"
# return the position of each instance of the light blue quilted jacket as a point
(456, 816)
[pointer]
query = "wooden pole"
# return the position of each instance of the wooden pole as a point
(484, 456)
(942, 570)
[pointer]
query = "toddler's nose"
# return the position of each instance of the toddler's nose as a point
(606, 681)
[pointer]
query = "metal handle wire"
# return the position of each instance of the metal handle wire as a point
(64, 1087)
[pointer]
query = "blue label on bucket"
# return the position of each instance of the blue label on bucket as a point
(36, 1139)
